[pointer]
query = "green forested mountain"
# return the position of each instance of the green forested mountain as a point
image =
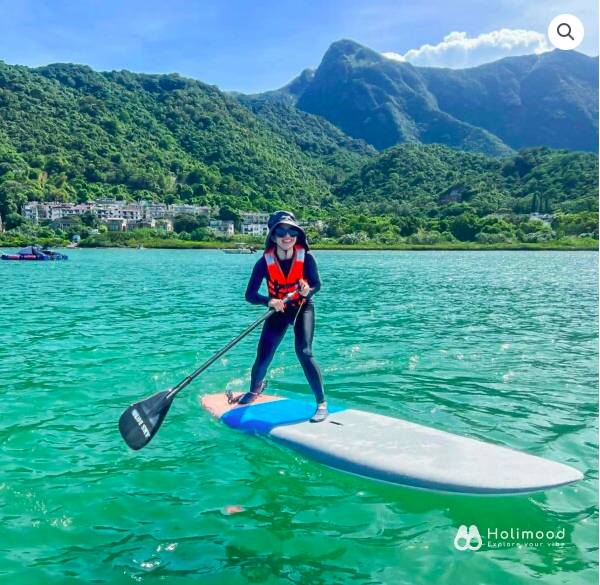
(534, 100)
(422, 179)
(386, 103)
(338, 154)
(69, 133)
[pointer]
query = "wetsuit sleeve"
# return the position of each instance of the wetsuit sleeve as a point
(311, 274)
(258, 273)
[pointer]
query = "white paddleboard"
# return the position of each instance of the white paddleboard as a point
(393, 450)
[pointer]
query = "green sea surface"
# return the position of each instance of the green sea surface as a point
(499, 346)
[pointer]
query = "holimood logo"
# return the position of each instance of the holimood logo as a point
(468, 538)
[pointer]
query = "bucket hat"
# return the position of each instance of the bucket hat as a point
(287, 218)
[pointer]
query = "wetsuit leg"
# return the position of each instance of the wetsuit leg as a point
(304, 330)
(273, 332)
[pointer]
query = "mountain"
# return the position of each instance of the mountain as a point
(536, 100)
(288, 93)
(70, 133)
(419, 179)
(336, 154)
(549, 99)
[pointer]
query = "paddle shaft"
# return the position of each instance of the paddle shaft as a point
(176, 389)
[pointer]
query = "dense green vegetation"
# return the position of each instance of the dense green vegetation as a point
(68, 133)
(416, 179)
(335, 152)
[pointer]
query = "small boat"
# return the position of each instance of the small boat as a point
(33, 254)
(240, 249)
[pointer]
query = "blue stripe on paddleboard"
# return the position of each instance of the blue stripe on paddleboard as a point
(261, 418)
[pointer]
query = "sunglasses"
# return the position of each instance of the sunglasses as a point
(281, 232)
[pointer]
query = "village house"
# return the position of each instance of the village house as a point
(165, 224)
(65, 223)
(36, 212)
(152, 210)
(180, 209)
(116, 224)
(142, 223)
(254, 223)
(221, 226)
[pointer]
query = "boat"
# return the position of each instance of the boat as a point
(240, 249)
(32, 253)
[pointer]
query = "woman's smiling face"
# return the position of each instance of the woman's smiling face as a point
(285, 236)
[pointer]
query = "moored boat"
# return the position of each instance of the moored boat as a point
(240, 249)
(32, 253)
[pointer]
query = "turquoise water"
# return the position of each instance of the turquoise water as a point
(499, 346)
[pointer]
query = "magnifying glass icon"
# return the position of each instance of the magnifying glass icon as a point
(564, 34)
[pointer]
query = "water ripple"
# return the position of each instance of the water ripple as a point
(498, 346)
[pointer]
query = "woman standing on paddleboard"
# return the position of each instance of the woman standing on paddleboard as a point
(287, 266)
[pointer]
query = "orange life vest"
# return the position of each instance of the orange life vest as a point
(278, 283)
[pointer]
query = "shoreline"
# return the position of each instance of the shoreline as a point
(588, 246)
(521, 247)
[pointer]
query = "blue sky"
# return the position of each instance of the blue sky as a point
(256, 46)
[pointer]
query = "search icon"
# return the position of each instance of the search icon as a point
(565, 32)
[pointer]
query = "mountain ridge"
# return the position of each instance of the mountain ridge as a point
(494, 108)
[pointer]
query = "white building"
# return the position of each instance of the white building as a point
(254, 217)
(107, 208)
(116, 224)
(165, 224)
(65, 223)
(118, 209)
(254, 223)
(35, 211)
(255, 229)
(177, 209)
(220, 226)
(152, 210)
(142, 223)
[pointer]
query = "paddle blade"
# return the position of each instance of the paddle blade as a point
(141, 421)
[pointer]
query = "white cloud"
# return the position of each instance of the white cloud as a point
(458, 50)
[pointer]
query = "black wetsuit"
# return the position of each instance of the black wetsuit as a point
(274, 328)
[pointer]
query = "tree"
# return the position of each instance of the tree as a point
(14, 220)
(464, 227)
(200, 234)
(186, 223)
(89, 219)
(227, 213)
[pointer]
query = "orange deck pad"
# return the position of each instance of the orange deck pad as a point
(217, 404)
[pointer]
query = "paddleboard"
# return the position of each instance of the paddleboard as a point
(393, 450)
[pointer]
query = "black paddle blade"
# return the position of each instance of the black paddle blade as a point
(141, 421)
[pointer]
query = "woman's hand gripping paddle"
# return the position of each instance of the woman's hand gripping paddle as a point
(141, 421)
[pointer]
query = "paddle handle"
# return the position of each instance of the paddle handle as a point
(189, 379)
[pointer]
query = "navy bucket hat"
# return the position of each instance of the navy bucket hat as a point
(287, 218)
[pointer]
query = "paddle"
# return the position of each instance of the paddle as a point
(141, 421)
